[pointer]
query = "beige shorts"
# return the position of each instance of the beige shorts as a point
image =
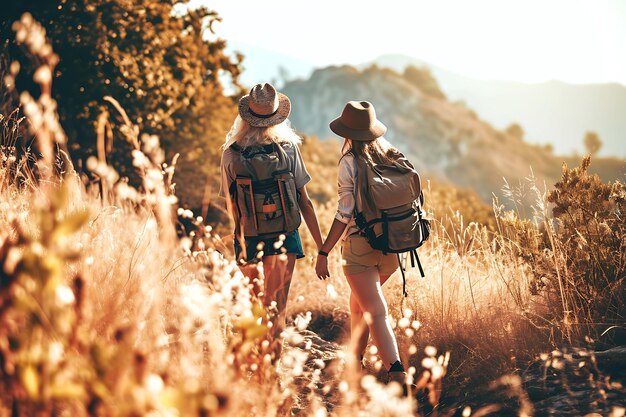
(358, 256)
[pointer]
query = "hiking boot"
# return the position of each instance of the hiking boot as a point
(396, 373)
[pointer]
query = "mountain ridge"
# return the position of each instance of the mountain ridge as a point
(444, 138)
(555, 112)
(569, 110)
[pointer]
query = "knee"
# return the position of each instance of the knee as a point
(355, 307)
(377, 309)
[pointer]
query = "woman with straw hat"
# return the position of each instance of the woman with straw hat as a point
(366, 269)
(261, 135)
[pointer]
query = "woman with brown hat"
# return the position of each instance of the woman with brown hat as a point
(366, 269)
(264, 180)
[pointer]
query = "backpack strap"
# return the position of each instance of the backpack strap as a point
(417, 260)
(406, 294)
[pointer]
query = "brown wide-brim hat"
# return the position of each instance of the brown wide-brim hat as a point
(358, 122)
(264, 106)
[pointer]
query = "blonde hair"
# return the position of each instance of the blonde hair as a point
(378, 151)
(245, 135)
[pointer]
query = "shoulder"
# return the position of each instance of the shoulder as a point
(347, 159)
(228, 156)
(228, 153)
(290, 148)
(347, 165)
(293, 153)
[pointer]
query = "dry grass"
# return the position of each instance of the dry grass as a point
(103, 312)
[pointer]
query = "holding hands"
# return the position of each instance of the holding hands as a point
(321, 266)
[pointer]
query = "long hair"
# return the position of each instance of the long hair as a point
(377, 151)
(245, 135)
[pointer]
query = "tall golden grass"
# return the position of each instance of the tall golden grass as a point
(105, 312)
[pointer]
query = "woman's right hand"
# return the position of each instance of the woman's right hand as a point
(321, 267)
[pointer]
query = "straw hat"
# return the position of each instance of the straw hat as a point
(264, 106)
(358, 122)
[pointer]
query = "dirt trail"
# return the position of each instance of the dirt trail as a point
(569, 389)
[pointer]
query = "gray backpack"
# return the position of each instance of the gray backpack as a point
(264, 192)
(392, 218)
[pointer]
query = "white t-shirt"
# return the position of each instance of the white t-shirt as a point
(346, 182)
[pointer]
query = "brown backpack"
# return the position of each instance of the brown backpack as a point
(264, 192)
(392, 218)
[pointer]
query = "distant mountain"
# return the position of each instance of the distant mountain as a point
(551, 112)
(444, 138)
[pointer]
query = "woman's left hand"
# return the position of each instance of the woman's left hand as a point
(321, 267)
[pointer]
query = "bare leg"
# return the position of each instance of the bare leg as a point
(359, 330)
(278, 274)
(252, 272)
(366, 288)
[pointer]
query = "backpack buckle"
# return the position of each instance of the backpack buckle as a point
(269, 207)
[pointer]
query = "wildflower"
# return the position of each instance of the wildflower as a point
(55, 352)
(331, 292)
(302, 321)
(15, 67)
(154, 384)
(64, 295)
(430, 351)
(429, 363)
(43, 75)
(139, 159)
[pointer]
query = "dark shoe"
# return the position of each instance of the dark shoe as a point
(397, 374)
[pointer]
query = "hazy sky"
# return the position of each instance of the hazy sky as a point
(529, 40)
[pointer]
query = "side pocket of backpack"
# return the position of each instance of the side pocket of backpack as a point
(289, 201)
(402, 231)
(246, 206)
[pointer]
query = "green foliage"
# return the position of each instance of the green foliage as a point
(151, 57)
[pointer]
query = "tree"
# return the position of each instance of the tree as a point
(153, 57)
(424, 80)
(592, 142)
(516, 131)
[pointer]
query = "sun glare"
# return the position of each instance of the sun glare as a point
(527, 41)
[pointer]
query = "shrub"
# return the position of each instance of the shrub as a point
(575, 252)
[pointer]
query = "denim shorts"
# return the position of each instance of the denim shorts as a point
(291, 244)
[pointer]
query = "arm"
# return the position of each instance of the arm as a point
(345, 208)
(310, 217)
(336, 230)
(225, 182)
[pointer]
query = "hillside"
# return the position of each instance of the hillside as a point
(552, 112)
(444, 138)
